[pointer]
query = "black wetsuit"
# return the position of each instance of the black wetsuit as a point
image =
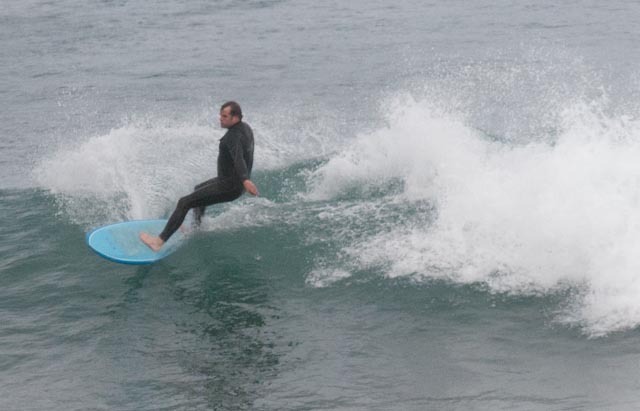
(235, 161)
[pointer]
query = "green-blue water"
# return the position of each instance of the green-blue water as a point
(448, 215)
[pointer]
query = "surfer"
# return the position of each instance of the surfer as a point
(235, 161)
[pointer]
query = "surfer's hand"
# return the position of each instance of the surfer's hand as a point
(250, 187)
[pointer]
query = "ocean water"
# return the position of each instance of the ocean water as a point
(449, 215)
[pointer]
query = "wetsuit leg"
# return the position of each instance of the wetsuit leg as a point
(198, 212)
(218, 190)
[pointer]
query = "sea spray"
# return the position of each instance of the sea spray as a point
(129, 172)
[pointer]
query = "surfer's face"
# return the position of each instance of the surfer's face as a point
(226, 119)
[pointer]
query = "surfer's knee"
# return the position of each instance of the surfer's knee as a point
(183, 203)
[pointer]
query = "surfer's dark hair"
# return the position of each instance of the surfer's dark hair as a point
(235, 109)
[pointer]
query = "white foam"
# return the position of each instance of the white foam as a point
(521, 219)
(324, 277)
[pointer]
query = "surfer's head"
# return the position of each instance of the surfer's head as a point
(230, 114)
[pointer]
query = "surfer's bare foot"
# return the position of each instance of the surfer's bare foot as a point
(154, 243)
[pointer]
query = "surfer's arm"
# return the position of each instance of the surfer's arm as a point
(235, 149)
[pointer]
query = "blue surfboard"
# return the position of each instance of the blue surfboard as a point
(120, 242)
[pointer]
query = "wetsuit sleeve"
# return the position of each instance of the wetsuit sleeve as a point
(237, 155)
